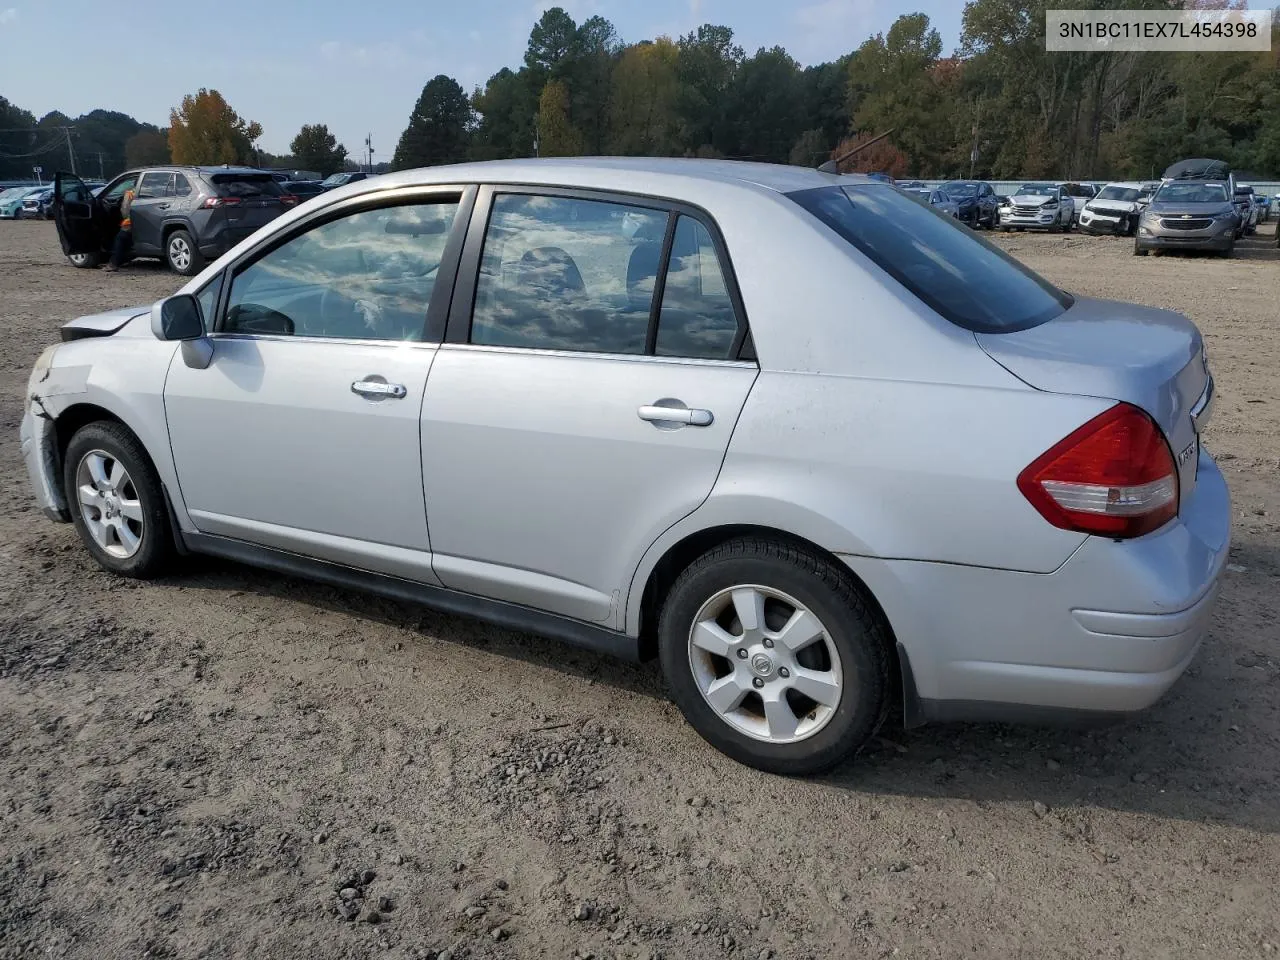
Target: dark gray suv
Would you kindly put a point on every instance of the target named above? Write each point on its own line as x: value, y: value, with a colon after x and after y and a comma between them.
x: 182, y: 215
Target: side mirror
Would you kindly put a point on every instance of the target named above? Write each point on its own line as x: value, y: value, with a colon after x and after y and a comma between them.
x: 178, y: 318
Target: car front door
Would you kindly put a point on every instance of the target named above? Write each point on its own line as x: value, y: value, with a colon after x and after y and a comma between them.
x: 153, y: 198
x: 77, y: 215
x: 584, y: 399
x: 302, y: 432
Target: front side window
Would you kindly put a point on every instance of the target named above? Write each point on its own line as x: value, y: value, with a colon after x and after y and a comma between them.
x: 962, y: 277
x: 367, y: 275
x: 697, y: 318
x: 561, y: 273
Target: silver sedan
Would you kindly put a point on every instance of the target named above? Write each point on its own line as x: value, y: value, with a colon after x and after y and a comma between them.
x: 816, y: 448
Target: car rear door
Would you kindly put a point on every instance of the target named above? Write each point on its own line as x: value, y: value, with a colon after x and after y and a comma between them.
x: 150, y: 205
x: 77, y: 214
x: 584, y: 397
x: 302, y: 432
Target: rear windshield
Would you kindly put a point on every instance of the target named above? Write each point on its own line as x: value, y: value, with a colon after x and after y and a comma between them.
x: 1175, y: 192
x: 246, y: 185
x: 1128, y: 194
x: 961, y: 276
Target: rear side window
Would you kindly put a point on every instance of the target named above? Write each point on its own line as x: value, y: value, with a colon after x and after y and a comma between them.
x: 245, y: 185
x: 155, y: 184
x: 181, y: 186
x: 560, y: 273
x: 962, y: 277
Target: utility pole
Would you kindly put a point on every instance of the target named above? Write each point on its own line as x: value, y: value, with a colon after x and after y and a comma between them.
x: 100, y: 174
x: 70, y: 148
x: 368, y: 150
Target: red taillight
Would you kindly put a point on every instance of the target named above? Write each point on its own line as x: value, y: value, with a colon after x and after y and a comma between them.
x: 1114, y: 477
x: 288, y: 199
x: 211, y: 202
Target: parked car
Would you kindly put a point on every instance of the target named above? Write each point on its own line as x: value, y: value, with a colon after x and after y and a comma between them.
x: 1027, y: 524
x: 184, y: 216
x: 302, y: 189
x: 1264, y: 206
x: 1248, y: 207
x: 1188, y: 215
x: 942, y: 201
x: 11, y: 202
x: 1210, y: 170
x: 1114, y: 209
x: 1081, y: 193
x: 342, y: 179
x: 975, y: 201
x: 1039, y: 206
x: 38, y: 205
x: 287, y: 176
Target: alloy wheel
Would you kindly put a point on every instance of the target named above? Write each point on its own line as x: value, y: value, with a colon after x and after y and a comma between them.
x: 179, y: 253
x: 109, y: 504
x: 765, y: 664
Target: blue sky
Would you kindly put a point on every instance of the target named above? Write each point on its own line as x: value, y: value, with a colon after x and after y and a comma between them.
x: 358, y: 67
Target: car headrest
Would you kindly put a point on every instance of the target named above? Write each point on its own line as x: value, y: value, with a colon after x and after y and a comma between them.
x: 550, y: 271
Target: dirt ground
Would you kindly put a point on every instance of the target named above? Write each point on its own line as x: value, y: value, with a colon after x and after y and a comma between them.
x: 197, y: 767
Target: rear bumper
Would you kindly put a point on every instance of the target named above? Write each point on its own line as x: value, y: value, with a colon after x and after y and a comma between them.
x: 1107, y: 633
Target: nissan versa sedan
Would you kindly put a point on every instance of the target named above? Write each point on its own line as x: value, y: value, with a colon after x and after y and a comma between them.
x: 814, y: 446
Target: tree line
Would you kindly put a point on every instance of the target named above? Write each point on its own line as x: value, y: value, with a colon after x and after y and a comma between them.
x: 998, y: 107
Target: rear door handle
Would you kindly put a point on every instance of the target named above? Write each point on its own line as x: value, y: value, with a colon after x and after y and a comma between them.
x: 379, y: 390
x: 686, y: 416
x: 162, y: 206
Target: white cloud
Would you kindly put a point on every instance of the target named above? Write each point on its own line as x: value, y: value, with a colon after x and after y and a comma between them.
x: 8, y: 15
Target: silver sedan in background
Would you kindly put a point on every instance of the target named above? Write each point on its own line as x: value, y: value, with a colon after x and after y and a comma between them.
x: 813, y: 447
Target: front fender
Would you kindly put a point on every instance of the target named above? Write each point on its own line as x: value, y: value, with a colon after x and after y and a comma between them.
x: 123, y: 376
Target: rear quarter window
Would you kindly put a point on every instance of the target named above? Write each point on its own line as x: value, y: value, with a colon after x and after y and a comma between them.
x: 962, y: 277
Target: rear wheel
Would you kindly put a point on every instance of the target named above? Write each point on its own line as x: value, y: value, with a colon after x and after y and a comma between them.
x: 85, y: 261
x: 774, y: 656
x: 117, y: 502
x: 182, y: 254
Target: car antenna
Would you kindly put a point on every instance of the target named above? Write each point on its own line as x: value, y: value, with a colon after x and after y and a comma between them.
x: 833, y: 166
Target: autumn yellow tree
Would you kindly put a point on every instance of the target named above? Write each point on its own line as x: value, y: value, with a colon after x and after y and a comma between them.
x: 204, y: 129
x: 645, y: 100
x: 557, y: 136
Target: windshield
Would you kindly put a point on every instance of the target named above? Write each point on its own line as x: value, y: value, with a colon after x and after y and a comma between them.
x: 1050, y: 189
x: 959, y: 190
x: 336, y: 179
x: 1191, y: 193
x: 962, y: 277
x: 1128, y: 194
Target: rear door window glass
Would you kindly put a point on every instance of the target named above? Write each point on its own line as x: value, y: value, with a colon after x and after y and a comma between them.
x: 697, y: 318
x: 368, y: 275
x: 959, y: 275
x: 155, y: 184
x: 562, y: 273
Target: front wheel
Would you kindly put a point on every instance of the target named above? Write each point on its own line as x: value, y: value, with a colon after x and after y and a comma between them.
x: 117, y: 502
x: 774, y: 656
x: 1139, y: 250
x: 84, y: 261
x: 182, y: 254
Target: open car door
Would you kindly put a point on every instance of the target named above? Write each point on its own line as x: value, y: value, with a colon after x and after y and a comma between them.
x: 75, y: 210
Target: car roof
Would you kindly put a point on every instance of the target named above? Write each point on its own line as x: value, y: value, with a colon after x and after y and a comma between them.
x: 1131, y: 184
x: 625, y: 174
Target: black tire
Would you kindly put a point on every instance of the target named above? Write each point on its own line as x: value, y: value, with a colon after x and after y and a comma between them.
x: 1226, y: 254
x: 174, y: 245
x: 854, y: 629
x: 155, y: 552
x: 1139, y: 250
x: 85, y: 261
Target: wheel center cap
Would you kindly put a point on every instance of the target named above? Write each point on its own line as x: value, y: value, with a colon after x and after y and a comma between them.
x: 109, y: 507
x: 762, y: 665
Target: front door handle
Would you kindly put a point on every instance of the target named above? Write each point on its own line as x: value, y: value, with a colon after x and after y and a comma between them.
x: 685, y: 416
x: 379, y: 389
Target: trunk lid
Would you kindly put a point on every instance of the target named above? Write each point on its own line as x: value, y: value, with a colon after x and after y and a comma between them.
x: 1153, y: 359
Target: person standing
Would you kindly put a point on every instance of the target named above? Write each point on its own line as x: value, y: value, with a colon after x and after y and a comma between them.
x: 124, y: 238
